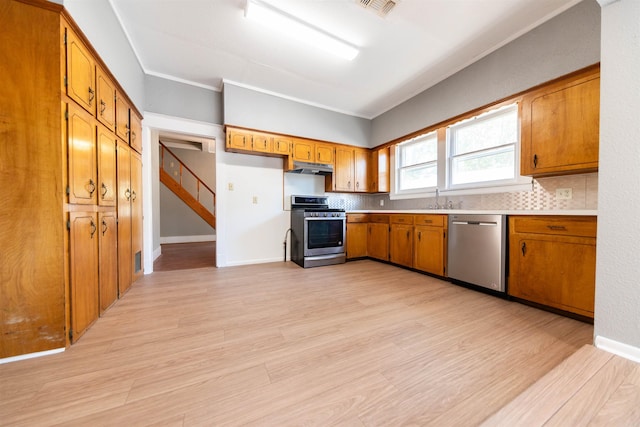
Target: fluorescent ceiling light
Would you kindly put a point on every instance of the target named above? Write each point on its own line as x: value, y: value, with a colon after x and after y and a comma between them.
x: 288, y: 24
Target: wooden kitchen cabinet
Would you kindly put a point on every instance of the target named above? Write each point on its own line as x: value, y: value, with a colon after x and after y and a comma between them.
x: 81, y: 146
x: 106, y: 99
x: 552, y: 261
x: 108, y: 261
x: 83, y: 255
x: 361, y: 169
x: 135, y: 136
x: 324, y: 153
x: 378, y: 237
x: 238, y: 140
x: 379, y: 171
x: 261, y: 143
x: 357, y: 235
x: 125, y: 267
x: 81, y: 71
x: 343, y: 177
x: 303, y: 150
x: 430, y: 244
x: 401, y: 240
x: 106, y: 167
x: 560, y: 126
x: 123, y: 126
x: 136, y: 216
x: 282, y: 145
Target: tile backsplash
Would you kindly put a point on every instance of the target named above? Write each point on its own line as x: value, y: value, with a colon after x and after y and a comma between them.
x: 543, y: 197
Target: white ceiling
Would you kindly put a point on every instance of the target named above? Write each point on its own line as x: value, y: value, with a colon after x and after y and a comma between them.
x: 418, y: 44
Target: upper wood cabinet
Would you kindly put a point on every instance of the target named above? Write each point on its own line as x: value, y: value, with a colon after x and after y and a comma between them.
x: 106, y: 99
x: 379, y: 170
x: 303, y: 150
x: 552, y: 261
x: 282, y: 145
x: 238, y: 139
x: 106, y: 167
x: 135, y: 136
x: 122, y: 117
x: 81, y: 72
x: 343, y: 177
x: 361, y: 169
x: 324, y: 153
x: 262, y: 143
x: 560, y: 126
x: 81, y: 146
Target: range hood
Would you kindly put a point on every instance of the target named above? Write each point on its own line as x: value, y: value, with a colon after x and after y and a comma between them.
x: 311, y: 168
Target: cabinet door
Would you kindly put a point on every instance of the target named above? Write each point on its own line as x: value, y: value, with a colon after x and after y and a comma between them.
x: 136, y: 216
x: 343, y: 171
x: 557, y: 271
x: 378, y: 241
x: 324, y: 153
x: 261, y: 143
x: 81, y: 69
x: 238, y: 140
x: 303, y: 150
x: 122, y: 117
x: 106, y: 99
x: 401, y: 244
x: 82, y: 157
x: 282, y: 145
x: 108, y: 261
x: 356, y: 240
x: 429, y: 249
x: 83, y: 247
x: 379, y: 171
x: 561, y: 129
x: 135, y: 136
x: 125, y: 270
x: 361, y: 170
x: 106, y: 167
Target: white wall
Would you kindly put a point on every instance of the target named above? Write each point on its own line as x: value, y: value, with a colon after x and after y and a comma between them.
x: 617, y: 311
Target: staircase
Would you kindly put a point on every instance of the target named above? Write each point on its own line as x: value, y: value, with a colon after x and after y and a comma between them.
x: 185, y: 184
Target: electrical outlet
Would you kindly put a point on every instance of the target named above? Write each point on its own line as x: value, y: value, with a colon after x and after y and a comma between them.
x: 564, y: 193
x: 231, y: 186
x: 255, y: 200
x: 381, y: 202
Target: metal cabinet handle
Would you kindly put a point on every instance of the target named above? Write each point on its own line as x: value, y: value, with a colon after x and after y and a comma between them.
x: 104, y: 227
x: 133, y: 136
x: 408, y: 234
x: 105, y: 190
x: 92, y: 187
x: 103, y: 107
x: 535, y: 160
x: 419, y: 236
x: 133, y: 196
x: 92, y: 95
x: 557, y: 227
x: 93, y: 228
x: 524, y: 248
x: 127, y: 194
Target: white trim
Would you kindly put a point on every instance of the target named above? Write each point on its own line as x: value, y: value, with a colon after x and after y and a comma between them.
x: 184, y: 81
x: 157, y: 252
x: 604, y: 3
x: 188, y: 239
x: 31, y: 355
x: 254, y: 261
x: 621, y: 349
x: 294, y: 99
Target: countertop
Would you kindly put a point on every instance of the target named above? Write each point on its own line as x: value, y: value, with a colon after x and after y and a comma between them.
x: 582, y: 212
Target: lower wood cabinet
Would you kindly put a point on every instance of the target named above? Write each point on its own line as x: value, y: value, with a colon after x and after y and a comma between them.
x: 430, y: 244
x: 378, y: 237
x: 401, y: 240
x: 357, y: 235
x: 552, y: 261
x: 108, y: 259
x: 83, y: 254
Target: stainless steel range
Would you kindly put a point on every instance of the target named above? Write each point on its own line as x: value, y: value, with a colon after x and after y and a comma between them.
x: 317, y: 232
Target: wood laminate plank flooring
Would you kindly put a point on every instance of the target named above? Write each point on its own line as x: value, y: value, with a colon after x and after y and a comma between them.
x: 185, y: 256
x: 362, y: 344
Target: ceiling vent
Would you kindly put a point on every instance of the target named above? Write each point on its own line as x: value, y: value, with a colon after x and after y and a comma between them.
x: 380, y: 7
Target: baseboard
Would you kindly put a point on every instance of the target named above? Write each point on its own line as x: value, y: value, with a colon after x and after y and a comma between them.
x: 621, y: 349
x: 188, y: 239
x: 31, y: 355
x: 253, y: 261
x: 157, y: 252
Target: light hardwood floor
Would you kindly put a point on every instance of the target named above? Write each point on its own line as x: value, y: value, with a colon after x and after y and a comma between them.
x: 362, y: 343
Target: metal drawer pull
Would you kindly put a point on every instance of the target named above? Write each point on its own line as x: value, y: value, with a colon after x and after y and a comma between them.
x: 557, y: 227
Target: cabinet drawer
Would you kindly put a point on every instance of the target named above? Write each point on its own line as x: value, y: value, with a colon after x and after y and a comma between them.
x: 357, y: 218
x: 567, y: 226
x: 430, y: 220
x: 401, y: 219
x: 384, y: 219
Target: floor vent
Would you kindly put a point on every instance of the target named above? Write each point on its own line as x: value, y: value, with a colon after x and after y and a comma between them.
x: 380, y: 7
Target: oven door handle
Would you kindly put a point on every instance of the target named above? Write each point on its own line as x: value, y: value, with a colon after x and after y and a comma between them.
x: 324, y: 218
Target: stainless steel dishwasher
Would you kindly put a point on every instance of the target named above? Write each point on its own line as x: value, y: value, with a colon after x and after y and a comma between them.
x: 477, y: 250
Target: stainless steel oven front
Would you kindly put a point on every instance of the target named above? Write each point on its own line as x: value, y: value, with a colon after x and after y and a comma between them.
x: 324, y: 233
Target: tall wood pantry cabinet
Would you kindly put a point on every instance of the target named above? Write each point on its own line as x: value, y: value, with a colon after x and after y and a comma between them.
x: 59, y: 173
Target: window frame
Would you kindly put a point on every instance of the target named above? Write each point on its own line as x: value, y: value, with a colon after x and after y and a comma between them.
x: 396, y: 156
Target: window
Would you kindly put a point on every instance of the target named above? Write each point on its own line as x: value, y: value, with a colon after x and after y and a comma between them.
x: 477, y: 155
x: 417, y: 163
x: 483, y: 148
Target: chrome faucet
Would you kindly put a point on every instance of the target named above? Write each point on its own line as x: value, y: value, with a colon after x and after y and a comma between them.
x: 437, y: 195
